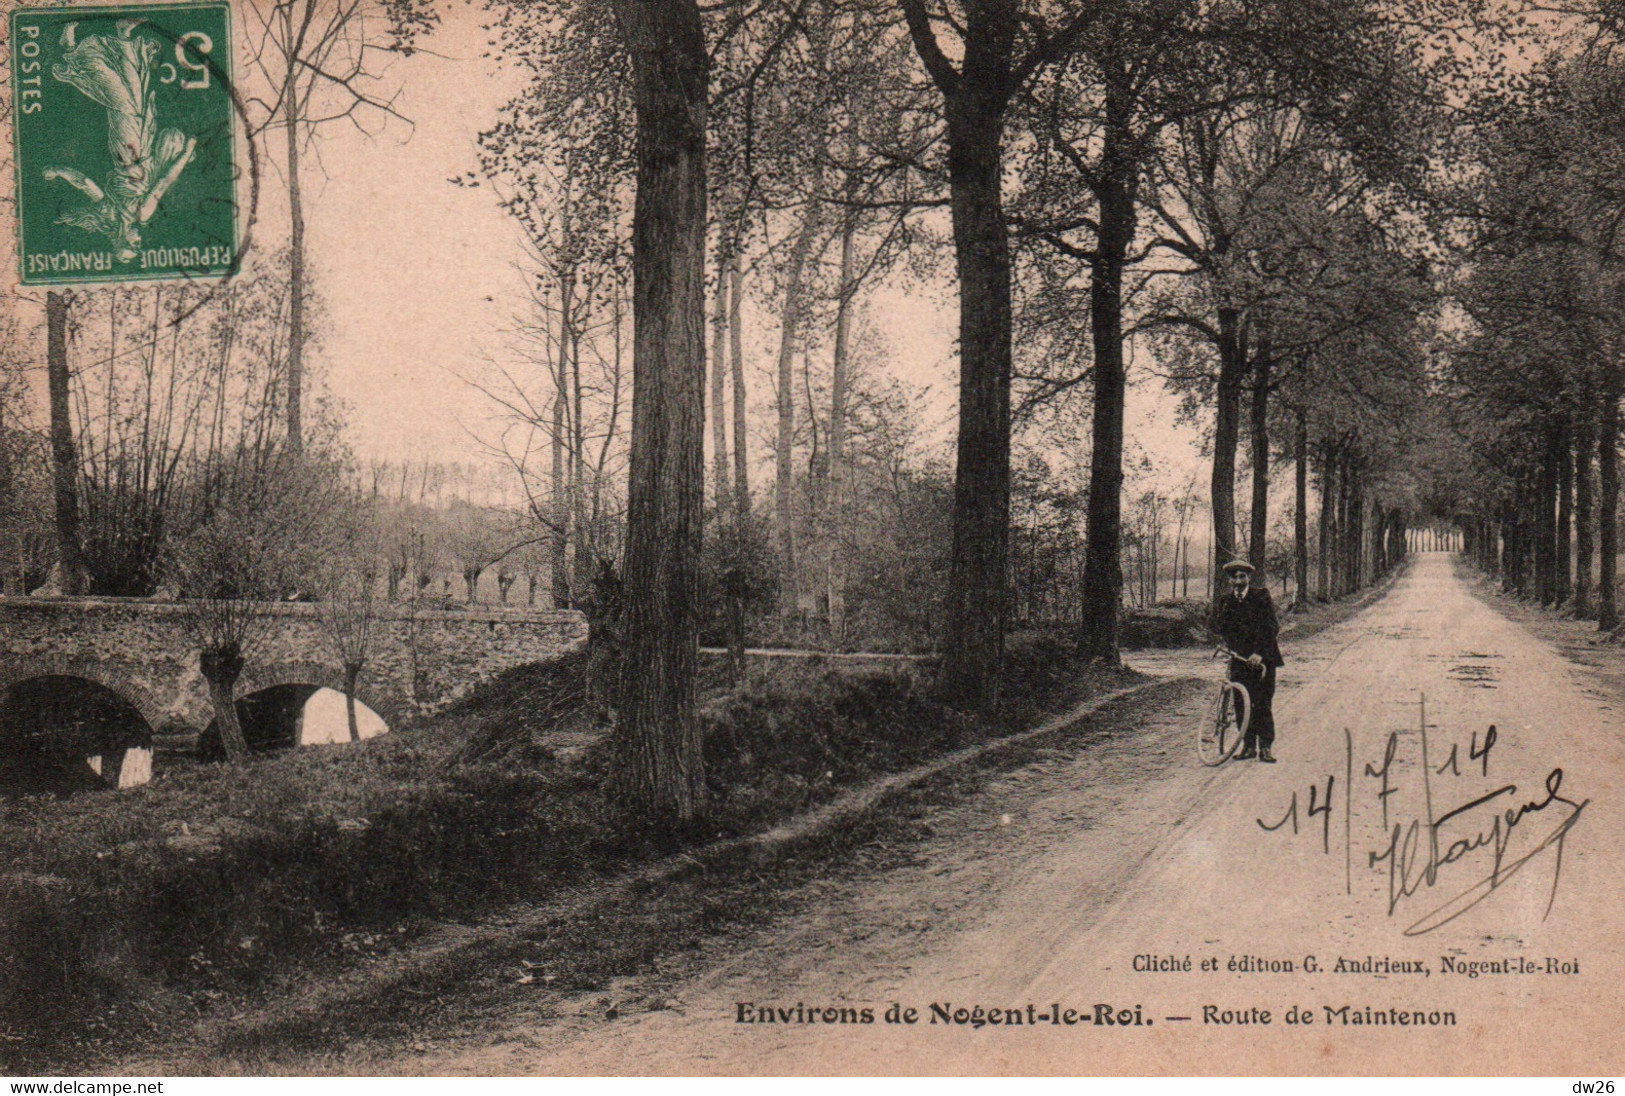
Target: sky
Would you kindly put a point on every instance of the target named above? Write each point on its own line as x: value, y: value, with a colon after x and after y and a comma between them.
x: 419, y: 277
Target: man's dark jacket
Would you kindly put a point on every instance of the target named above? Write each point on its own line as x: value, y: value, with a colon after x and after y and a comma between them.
x: 1247, y: 624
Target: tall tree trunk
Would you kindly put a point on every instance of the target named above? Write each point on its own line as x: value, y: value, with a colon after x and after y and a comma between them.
x: 1584, y: 545
x: 1512, y: 552
x: 736, y: 357
x: 1345, y: 526
x: 1102, y: 570
x: 1259, y: 549
x: 1226, y: 436
x: 70, y: 557
x: 1347, y: 556
x: 581, y: 568
x: 735, y: 585
x: 976, y: 609
x: 1300, y: 514
x: 1533, y: 533
x: 834, y: 499
x: 1328, y: 514
x: 1564, y: 577
x: 1377, y: 556
x: 975, y: 99
x: 973, y: 647
x: 721, y: 490
x: 296, y: 256
x: 560, y: 533
x: 1546, y: 519
x: 658, y: 775
x: 1504, y: 549
x: 1608, y: 496
x: 1356, y: 539
x: 784, y: 523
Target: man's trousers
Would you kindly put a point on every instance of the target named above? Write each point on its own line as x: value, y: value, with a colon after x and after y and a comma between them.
x: 1261, y: 689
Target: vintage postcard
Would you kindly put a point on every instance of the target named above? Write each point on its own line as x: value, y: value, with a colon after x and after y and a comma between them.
x: 952, y: 537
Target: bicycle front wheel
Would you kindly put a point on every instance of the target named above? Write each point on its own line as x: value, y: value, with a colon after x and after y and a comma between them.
x: 1224, y: 725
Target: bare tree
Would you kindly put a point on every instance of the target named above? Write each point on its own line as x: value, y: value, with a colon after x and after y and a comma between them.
x: 64, y: 455
x: 349, y: 603
x: 321, y: 65
x: 792, y: 316
x: 255, y: 533
x: 1185, y: 507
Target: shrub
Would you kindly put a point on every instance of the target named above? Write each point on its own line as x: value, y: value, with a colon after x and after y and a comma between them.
x: 787, y: 739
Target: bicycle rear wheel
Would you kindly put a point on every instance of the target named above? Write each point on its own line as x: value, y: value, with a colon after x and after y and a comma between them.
x: 1224, y: 724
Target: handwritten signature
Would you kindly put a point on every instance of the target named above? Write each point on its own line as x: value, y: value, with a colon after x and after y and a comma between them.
x: 1419, y: 849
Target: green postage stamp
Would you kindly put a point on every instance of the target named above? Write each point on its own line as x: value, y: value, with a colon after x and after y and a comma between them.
x: 125, y: 150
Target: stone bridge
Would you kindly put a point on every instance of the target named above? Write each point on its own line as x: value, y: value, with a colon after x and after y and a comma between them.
x: 419, y: 660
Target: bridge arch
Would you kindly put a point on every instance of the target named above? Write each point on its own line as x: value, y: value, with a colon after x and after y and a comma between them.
x: 15, y: 671
x: 393, y: 708
x: 70, y: 728
x: 271, y: 705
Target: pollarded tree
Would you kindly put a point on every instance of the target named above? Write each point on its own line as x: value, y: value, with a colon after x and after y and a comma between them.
x: 162, y: 379
x: 353, y: 571
x: 475, y: 537
x: 255, y: 530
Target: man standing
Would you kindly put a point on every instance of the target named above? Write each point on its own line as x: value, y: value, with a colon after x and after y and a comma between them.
x: 1245, y: 619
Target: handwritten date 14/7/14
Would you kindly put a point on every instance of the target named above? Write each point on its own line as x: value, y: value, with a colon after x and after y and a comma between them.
x: 1437, y: 839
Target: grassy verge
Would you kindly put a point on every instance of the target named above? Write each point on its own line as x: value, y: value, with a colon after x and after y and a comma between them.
x: 126, y: 918
x: 622, y: 947
x: 1299, y: 622
x: 1576, y: 638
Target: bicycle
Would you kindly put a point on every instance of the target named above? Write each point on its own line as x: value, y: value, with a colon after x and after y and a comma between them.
x: 1224, y: 725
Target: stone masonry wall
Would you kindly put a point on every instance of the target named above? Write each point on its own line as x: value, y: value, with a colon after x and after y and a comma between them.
x: 419, y: 660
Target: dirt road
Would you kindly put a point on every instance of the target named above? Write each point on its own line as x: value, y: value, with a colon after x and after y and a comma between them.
x: 1475, y: 903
